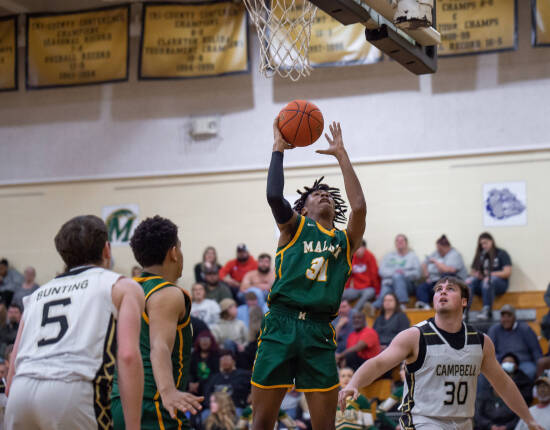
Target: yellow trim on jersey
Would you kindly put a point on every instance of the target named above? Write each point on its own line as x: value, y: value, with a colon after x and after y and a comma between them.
x: 157, y: 407
x: 180, y: 370
x: 292, y: 242
x: 162, y: 284
x: 147, y: 278
x: 324, y: 230
x: 310, y: 390
x: 333, y: 333
x: 269, y: 387
x: 348, y: 251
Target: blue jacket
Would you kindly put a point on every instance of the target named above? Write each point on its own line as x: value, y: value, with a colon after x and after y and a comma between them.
x: 520, y: 340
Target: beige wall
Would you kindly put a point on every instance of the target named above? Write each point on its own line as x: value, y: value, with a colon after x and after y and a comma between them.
x: 421, y: 198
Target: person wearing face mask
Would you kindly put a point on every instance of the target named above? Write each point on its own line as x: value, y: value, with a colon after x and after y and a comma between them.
x: 541, y: 411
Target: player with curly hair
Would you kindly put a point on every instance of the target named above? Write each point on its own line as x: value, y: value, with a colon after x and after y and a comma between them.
x: 166, y: 333
x: 313, y: 263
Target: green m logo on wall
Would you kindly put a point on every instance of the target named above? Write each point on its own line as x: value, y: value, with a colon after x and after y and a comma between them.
x: 121, y: 222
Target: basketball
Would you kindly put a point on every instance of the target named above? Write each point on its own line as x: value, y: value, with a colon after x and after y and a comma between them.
x: 301, y: 123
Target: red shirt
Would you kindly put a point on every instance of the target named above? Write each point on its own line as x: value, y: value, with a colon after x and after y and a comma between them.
x: 370, y: 337
x: 364, y: 272
x: 237, y: 269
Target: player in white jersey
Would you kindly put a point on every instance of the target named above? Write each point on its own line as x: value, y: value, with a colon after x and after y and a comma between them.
x: 444, y: 358
x: 74, y: 330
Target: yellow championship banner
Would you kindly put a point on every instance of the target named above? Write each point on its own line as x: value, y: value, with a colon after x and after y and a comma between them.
x: 193, y: 40
x: 541, y: 22
x: 77, y: 48
x: 8, y: 53
x: 333, y: 44
x: 476, y: 26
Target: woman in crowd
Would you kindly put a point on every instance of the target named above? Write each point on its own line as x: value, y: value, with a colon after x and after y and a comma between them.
x: 222, y: 412
x: 204, y: 362
x: 202, y: 308
x: 209, y: 260
x: 391, y: 320
x: 489, y: 274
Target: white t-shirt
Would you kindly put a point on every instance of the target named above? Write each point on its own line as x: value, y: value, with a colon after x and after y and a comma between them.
x: 69, y: 327
x: 540, y: 415
x: 208, y: 310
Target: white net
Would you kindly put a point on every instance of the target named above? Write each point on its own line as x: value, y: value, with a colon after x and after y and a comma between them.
x: 284, y: 29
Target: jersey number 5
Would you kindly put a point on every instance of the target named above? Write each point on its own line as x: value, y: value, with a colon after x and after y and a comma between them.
x: 318, y: 269
x: 59, y: 319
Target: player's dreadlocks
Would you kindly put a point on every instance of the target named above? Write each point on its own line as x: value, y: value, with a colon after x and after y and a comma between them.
x: 340, y: 207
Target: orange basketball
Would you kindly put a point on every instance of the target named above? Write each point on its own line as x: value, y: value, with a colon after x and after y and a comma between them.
x: 301, y: 123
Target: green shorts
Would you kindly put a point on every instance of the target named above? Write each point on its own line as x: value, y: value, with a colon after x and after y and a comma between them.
x: 153, y: 416
x: 295, y: 349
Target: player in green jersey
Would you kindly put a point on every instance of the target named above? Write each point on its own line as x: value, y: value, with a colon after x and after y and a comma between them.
x: 296, y: 345
x: 166, y: 333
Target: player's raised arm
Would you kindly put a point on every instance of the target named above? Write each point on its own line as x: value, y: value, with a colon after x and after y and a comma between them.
x: 164, y: 310
x: 280, y: 207
x: 504, y: 385
x: 129, y: 300
x: 404, y: 346
x: 354, y: 192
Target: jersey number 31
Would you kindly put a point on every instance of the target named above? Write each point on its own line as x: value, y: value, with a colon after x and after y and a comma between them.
x: 318, y: 269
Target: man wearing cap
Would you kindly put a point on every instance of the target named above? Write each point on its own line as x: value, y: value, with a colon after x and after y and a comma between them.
x: 234, y: 270
x: 541, y: 411
x: 230, y: 332
x: 215, y: 289
x: 511, y: 336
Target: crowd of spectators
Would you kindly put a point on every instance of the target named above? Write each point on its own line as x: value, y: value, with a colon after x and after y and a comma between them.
x: 230, y: 300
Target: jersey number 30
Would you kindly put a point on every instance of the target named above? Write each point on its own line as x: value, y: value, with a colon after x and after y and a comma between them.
x: 318, y: 269
x: 58, y: 319
x: 458, y: 392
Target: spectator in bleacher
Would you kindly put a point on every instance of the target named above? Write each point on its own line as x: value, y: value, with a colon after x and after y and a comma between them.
x: 362, y: 344
x: 444, y: 261
x: 245, y: 358
x: 364, y: 283
x: 198, y: 326
x: 357, y: 414
x: 294, y: 404
x: 234, y: 270
x: 216, y: 289
x: 511, y: 336
x: 400, y: 269
x: 205, y: 309
x: 391, y: 321
x: 28, y: 286
x: 541, y: 411
x: 511, y: 365
x: 204, y: 364
x: 229, y: 331
x: 209, y: 260
x: 223, y: 415
x: 233, y: 381
x: 9, y: 331
x: 491, y: 413
x: 491, y: 268
x: 251, y: 299
x: 261, y: 278
x: 10, y: 280
x: 343, y: 325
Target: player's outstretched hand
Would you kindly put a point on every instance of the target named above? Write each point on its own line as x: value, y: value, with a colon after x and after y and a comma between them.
x: 279, y: 142
x: 344, y: 394
x: 178, y: 400
x: 336, y: 143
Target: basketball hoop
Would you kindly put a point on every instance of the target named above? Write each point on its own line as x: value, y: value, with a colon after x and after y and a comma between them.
x: 284, y: 29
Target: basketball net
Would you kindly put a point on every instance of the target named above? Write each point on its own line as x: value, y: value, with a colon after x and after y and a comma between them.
x: 284, y: 29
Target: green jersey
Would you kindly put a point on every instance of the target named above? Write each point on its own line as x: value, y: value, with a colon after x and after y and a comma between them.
x: 312, y: 269
x: 181, y: 352
x: 356, y: 416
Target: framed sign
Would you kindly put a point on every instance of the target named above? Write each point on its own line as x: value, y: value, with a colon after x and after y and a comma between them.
x: 8, y: 53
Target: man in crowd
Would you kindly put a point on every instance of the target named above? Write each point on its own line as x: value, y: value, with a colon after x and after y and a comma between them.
x: 205, y: 309
x: 343, y: 325
x: 216, y: 289
x: 541, y: 411
x: 234, y: 270
x: 364, y: 283
x: 10, y: 280
x: 362, y: 344
x: 400, y: 269
x: 262, y: 277
x: 9, y: 331
x: 511, y: 336
x: 28, y: 286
